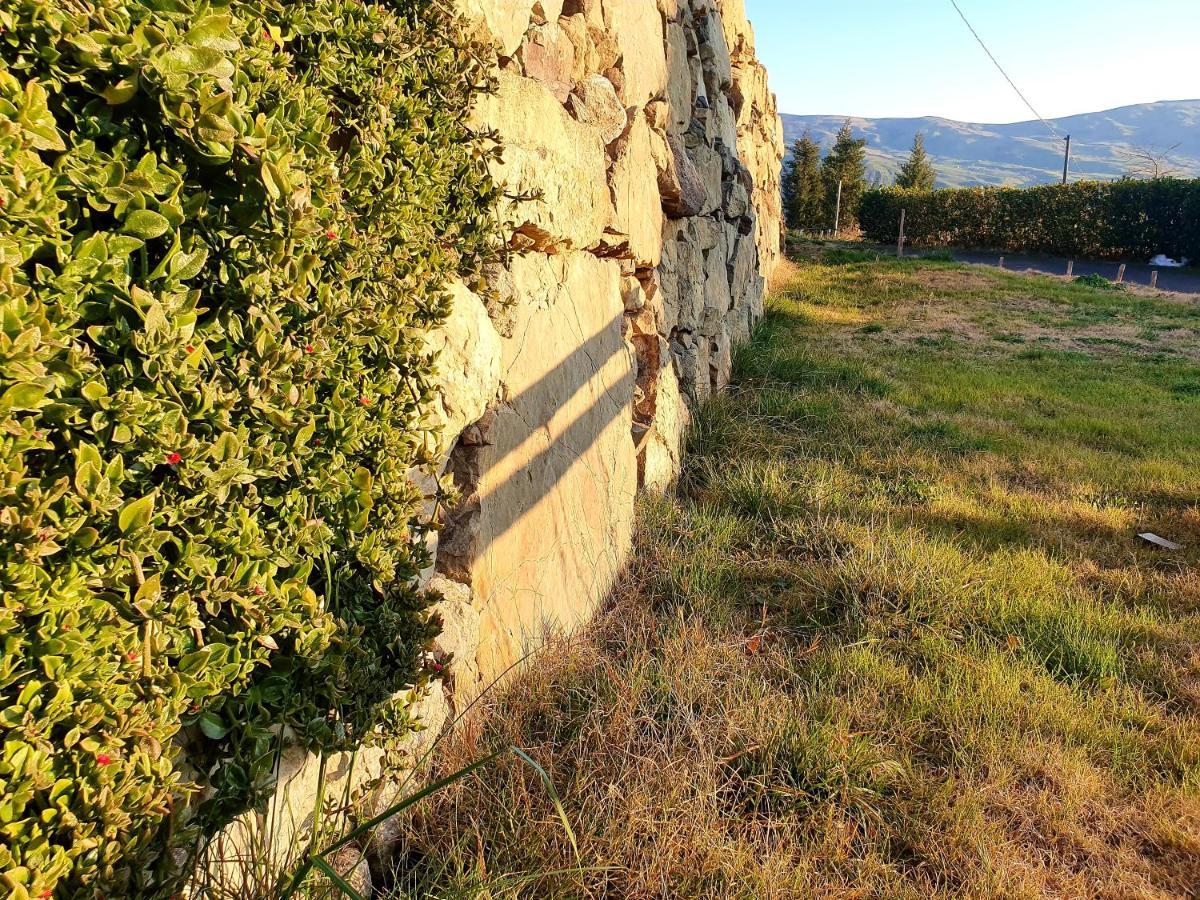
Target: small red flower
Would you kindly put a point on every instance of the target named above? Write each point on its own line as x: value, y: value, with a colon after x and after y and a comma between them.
x: 174, y: 459
x: 331, y: 234
x: 317, y: 441
x: 266, y: 35
x: 190, y: 348
x: 364, y: 401
x: 258, y: 590
x: 308, y: 348
x: 44, y: 895
x: 195, y: 707
x: 103, y: 759
x: 133, y: 657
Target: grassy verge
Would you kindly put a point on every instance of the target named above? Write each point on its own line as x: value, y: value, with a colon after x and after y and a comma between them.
x: 894, y: 635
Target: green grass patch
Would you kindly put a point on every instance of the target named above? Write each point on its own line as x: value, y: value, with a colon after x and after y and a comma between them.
x: 894, y: 634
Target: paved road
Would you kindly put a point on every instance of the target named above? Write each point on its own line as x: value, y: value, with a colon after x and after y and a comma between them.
x: 1182, y: 281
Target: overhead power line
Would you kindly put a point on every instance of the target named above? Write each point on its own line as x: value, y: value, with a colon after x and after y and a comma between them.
x: 1000, y: 68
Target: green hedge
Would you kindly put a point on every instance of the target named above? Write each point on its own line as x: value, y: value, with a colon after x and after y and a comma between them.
x: 1107, y: 220
x: 224, y: 227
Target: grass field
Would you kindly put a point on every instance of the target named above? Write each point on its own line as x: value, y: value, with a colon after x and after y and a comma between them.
x: 894, y: 635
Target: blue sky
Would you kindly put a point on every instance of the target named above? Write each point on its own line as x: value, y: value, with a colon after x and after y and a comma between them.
x: 880, y: 58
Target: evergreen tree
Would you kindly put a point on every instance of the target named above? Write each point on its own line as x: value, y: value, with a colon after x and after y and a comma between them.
x: 803, y: 189
x: 788, y: 182
x: 847, y: 163
x: 917, y: 173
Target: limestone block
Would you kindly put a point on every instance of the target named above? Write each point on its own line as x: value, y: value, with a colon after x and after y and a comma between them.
x: 591, y: 10
x: 658, y: 114
x: 633, y: 294
x: 680, y: 82
x: 739, y: 34
x: 758, y: 296
x: 680, y: 186
x: 707, y: 162
x: 743, y: 265
x: 547, y: 151
x: 503, y: 21
x: 660, y: 150
x: 638, y: 28
x: 722, y: 122
x: 458, y: 642
x: 760, y: 149
x: 594, y: 103
x: 548, y: 56
x: 738, y: 324
x: 467, y: 350
x: 690, y: 352
x: 595, y: 49
x: 714, y: 53
x: 557, y: 482
x: 717, y: 296
x: 637, y: 209
x: 681, y: 277
x: 720, y: 360
x: 663, y: 454
x: 709, y: 233
x: 546, y: 11
x: 737, y: 200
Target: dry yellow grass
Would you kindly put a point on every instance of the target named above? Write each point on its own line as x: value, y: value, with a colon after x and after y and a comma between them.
x: 893, y: 636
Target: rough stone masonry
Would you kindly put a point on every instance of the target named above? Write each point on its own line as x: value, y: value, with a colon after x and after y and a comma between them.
x: 647, y: 132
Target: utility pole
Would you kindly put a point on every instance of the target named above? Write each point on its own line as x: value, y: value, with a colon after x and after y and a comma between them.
x: 837, y: 213
x: 1067, y: 159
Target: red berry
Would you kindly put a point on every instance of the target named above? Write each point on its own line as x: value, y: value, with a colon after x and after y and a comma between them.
x: 308, y: 348
x: 174, y: 459
x: 103, y: 759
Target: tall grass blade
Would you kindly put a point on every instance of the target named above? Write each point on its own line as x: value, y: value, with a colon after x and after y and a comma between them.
x: 553, y: 792
x: 343, y: 885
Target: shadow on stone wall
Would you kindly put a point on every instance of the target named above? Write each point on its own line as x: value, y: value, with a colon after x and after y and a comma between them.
x: 498, y: 442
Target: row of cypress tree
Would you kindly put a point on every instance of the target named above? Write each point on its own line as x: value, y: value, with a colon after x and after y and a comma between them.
x: 810, y: 181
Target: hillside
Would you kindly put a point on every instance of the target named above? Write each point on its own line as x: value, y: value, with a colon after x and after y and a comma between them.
x: 1023, y: 153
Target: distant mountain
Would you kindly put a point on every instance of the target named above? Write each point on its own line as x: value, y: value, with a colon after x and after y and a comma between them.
x: 1024, y: 153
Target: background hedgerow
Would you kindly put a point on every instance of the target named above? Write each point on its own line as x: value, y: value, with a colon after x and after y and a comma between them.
x: 224, y: 228
x: 1119, y: 219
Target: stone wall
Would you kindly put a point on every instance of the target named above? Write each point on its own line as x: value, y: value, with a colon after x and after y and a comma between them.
x: 646, y: 135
